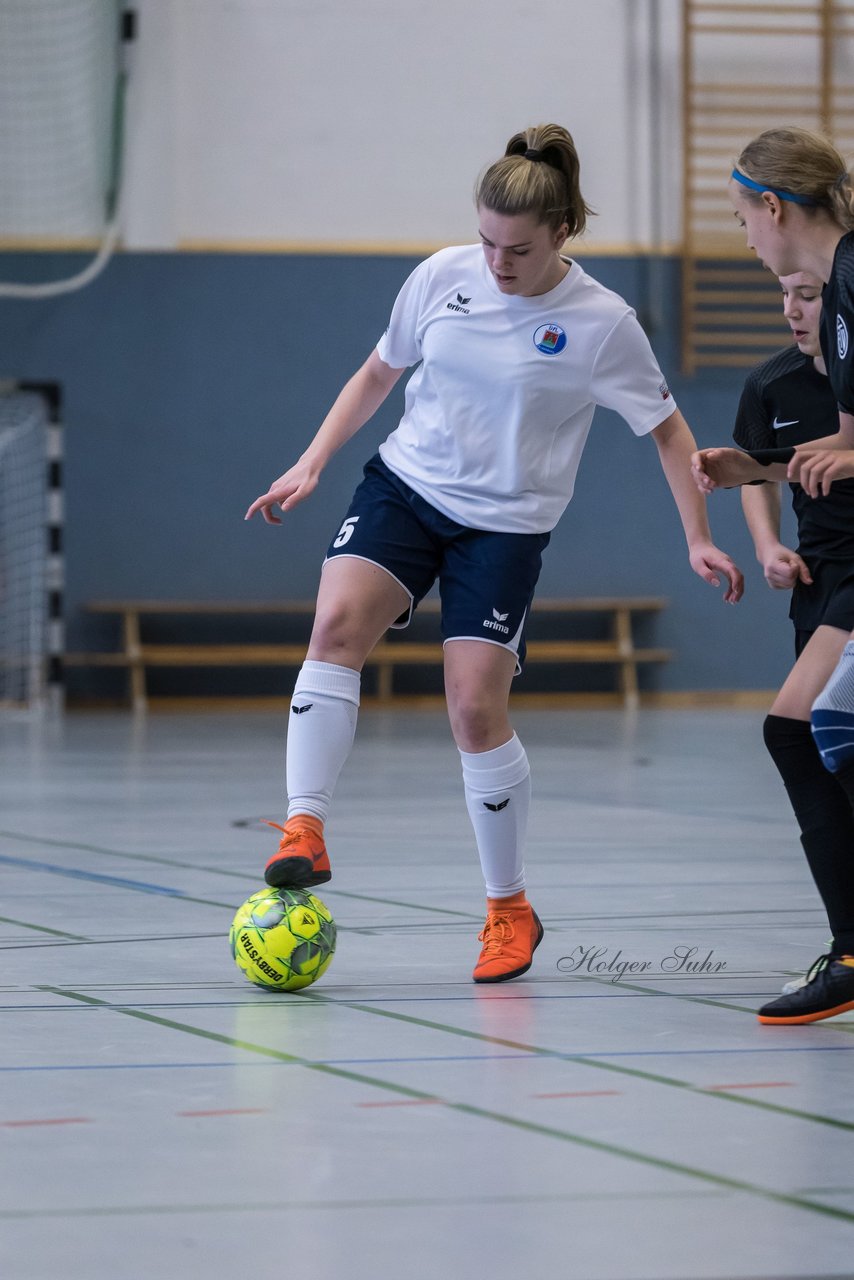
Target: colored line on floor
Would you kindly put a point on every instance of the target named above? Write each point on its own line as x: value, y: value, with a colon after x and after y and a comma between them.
x: 386, y: 1061
x: 117, y: 882
x: 69, y: 940
x: 406, y: 1102
x: 481, y: 1113
x: 228, y: 1111
x: 582, y: 1093
x: 40, y: 928
x: 633, y: 1072
x: 29, y: 1124
x: 196, y: 869
x: 754, y: 1084
x: 381, y: 1202
x: 832, y: 1025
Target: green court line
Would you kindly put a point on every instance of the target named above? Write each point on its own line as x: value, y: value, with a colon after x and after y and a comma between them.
x: 616, y: 1068
x: 840, y: 1028
x: 40, y: 928
x: 383, y: 1202
x: 480, y: 1113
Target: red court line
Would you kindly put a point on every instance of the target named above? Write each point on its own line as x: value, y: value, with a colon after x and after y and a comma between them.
x: 413, y: 1102
x: 755, y: 1084
x: 582, y: 1093
x: 26, y: 1124
x: 228, y: 1111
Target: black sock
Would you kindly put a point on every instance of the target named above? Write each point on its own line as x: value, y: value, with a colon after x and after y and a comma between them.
x: 825, y: 816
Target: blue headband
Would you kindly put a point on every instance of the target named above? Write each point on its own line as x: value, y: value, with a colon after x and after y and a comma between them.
x: 781, y: 195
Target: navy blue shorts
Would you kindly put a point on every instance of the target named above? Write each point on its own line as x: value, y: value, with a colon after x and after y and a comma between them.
x: 486, y: 579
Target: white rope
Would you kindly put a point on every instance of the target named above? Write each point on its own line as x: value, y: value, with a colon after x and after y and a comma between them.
x: 53, y: 288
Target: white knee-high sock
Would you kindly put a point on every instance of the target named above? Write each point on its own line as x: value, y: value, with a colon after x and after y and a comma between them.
x: 498, y: 796
x: 321, y: 729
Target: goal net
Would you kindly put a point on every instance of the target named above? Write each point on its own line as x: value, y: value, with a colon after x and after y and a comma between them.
x: 24, y: 619
x: 62, y: 82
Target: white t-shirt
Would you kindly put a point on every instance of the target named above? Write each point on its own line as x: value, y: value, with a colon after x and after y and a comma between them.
x: 497, y: 414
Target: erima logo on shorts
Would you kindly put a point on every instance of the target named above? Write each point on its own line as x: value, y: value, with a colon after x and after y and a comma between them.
x: 550, y: 339
x: 841, y: 337
x: 497, y: 622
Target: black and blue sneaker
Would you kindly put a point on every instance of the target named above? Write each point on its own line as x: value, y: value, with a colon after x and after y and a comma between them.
x: 829, y: 990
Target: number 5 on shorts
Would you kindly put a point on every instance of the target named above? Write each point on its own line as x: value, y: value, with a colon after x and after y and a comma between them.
x: 346, y: 531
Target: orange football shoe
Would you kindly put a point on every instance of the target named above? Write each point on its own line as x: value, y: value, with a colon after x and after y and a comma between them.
x: 301, y: 859
x: 510, y: 937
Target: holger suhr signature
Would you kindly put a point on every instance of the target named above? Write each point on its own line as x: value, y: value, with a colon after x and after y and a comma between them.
x: 601, y: 961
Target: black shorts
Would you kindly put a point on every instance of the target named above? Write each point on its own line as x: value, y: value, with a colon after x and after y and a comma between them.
x: 828, y: 601
x: 486, y: 579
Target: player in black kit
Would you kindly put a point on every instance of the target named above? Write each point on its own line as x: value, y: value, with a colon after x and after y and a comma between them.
x: 788, y: 401
x: 793, y: 194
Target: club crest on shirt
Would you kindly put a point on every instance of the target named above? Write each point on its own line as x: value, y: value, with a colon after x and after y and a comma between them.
x: 550, y: 339
x: 841, y: 337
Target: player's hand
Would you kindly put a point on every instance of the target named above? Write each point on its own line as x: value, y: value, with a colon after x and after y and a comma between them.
x: 713, y: 564
x: 783, y: 568
x: 816, y: 470
x: 723, y: 469
x: 290, y: 489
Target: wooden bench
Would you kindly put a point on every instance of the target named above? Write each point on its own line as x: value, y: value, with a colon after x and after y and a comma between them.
x: 396, y: 649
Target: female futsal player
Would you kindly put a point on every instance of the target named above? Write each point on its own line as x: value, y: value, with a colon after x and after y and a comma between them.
x: 515, y: 346
x: 792, y: 193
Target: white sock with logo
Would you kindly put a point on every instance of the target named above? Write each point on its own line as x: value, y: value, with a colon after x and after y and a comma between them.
x: 321, y: 729
x: 498, y: 796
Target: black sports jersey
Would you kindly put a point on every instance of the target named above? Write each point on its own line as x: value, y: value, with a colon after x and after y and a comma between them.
x: 786, y: 401
x: 837, y: 323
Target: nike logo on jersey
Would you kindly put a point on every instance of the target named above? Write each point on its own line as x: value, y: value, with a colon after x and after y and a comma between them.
x: 777, y: 424
x: 496, y: 808
x: 306, y: 706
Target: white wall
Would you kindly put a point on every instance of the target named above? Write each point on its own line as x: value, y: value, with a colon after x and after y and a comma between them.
x: 365, y: 122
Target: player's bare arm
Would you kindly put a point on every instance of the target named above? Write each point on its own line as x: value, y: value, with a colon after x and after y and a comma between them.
x: 816, y: 469
x: 727, y: 468
x: 781, y: 566
x: 676, y: 445
x: 357, y: 403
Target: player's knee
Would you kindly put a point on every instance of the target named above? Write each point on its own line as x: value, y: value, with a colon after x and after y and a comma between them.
x: 336, y: 637
x: 476, y: 723
x: 790, y: 745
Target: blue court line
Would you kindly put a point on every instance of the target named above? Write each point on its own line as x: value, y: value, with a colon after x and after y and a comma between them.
x: 75, y: 874
x: 382, y: 1001
x: 441, y: 1057
x: 117, y: 882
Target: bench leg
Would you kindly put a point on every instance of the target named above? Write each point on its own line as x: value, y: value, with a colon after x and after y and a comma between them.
x: 136, y: 669
x: 384, y: 685
x: 628, y: 670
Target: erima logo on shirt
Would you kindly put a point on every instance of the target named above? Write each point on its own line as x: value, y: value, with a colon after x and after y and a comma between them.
x: 497, y: 622
x: 776, y: 424
x: 460, y: 305
x: 550, y: 339
x: 841, y: 337
x: 306, y: 706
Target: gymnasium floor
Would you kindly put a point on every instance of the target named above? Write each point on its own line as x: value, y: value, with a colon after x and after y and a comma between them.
x: 162, y: 1118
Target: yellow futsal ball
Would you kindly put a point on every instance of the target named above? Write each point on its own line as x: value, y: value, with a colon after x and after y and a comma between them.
x: 283, y: 939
